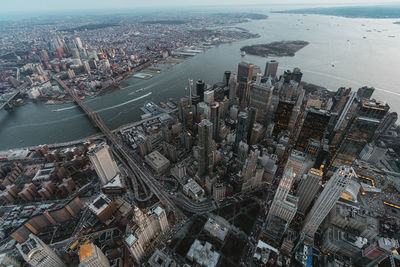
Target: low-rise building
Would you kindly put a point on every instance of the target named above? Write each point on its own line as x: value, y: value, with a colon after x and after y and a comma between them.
x: 193, y: 189
x: 217, y: 227
x: 202, y: 254
x: 102, y: 207
x: 157, y: 162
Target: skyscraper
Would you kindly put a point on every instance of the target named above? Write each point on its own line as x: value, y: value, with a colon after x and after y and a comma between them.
x: 365, y: 92
x: 360, y: 131
x: 283, y: 207
x: 333, y: 189
x: 250, y: 167
x: 91, y: 256
x: 245, y: 70
x: 226, y: 79
x: 299, y: 163
x: 243, y: 91
x: 314, y: 127
x: 200, y: 85
x: 205, y: 148
x: 282, y: 116
x: 241, y: 129
x: 232, y: 87
x: 148, y: 225
x: 251, y: 120
x: 215, y: 120
x: 271, y: 68
x: 38, y: 254
x: 105, y: 166
x: 297, y: 75
x: 308, y: 188
x: 260, y: 98
x: 389, y: 120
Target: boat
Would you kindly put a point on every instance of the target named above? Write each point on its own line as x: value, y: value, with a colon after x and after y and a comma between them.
x: 243, y: 53
x: 137, y: 91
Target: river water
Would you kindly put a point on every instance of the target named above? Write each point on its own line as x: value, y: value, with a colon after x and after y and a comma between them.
x: 358, y: 61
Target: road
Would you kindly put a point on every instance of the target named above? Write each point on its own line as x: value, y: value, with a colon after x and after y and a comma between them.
x: 123, y: 150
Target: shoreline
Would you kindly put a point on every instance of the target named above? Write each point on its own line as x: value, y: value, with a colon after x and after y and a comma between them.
x: 84, y: 139
x: 121, y: 84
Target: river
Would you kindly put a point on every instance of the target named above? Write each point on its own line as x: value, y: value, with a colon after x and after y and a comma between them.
x: 358, y: 61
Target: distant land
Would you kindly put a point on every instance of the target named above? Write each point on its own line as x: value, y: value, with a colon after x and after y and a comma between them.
x: 242, y: 15
x: 167, y: 22
x: 87, y: 27
x: 279, y: 49
x: 373, y: 12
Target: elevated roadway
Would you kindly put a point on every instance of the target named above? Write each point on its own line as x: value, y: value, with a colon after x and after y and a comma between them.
x: 124, y: 152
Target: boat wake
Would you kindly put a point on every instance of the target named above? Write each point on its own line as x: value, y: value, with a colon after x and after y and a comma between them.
x: 62, y: 109
x: 124, y: 103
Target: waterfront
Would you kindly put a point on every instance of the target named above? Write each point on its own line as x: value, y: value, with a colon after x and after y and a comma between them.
x: 334, y: 41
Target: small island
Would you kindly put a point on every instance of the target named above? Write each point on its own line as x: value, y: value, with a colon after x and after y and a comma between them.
x: 372, y: 12
x: 278, y: 49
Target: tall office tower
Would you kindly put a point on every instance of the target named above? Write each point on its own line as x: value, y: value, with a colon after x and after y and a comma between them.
x: 340, y: 99
x: 86, y: 66
x: 232, y: 87
x: 241, y: 129
x: 260, y: 98
x: 387, y: 123
x: 184, y: 105
x: 284, y: 206
x: 144, y: 145
x: 205, y: 148
x: 287, y: 76
x: 251, y: 120
x: 78, y: 42
x: 219, y: 93
x: 347, y: 110
x: 227, y: 76
x: 346, y: 115
x: 200, y: 85
x: 282, y: 116
x: 271, y: 68
x: 44, y: 55
x: 308, y: 188
x: 365, y: 92
x: 75, y: 53
x: 105, y: 166
x: 258, y: 78
x: 314, y: 127
x: 360, y: 131
x: 148, y: 225
x: 38, y: 254
x: 284, y: 185
x: 91, y: 256
x: 242, y: 153
x: 297, y: 75
x: 250, y: 166
x: 214, y: 117
x: 243, y: 91
x: 299, y: 163
x: 209, y: 96
x: 245, y: 70
x: 333, y: 189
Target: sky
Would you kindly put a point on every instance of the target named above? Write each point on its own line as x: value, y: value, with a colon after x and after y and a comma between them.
x: 29, y: 6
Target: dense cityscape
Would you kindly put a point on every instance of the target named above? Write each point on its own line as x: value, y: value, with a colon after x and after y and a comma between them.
x: 259, y: 169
